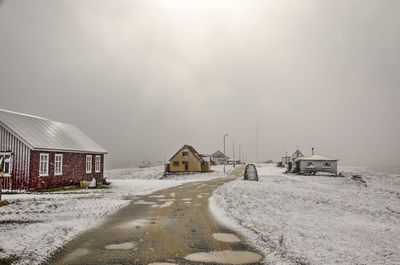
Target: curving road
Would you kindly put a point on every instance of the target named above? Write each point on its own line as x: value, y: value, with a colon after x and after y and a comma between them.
x: 171, y: 226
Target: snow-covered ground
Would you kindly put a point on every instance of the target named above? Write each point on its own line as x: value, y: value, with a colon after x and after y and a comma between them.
x: 315, y: 219
x: 35, y: 224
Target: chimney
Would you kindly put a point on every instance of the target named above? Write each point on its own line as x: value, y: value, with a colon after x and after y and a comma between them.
x: 312, y: 150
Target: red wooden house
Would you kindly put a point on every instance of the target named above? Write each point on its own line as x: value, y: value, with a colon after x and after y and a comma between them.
x: 40, y: 153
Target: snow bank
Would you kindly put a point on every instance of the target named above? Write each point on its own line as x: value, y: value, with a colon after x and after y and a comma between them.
x: 315, y: 219
x: 36, y: 224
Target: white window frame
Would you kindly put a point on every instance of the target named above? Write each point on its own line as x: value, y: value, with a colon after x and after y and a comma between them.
x: 311, y: 164
x: 185, y: 151
x: 46, y: 155
x: 4, y: 154
x: 58, y: 173
x: 97, y: 164
x: 326, y: 162
x: 89, y: 159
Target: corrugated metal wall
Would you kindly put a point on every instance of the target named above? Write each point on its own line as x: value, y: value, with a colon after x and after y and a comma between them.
x: 19, y: 179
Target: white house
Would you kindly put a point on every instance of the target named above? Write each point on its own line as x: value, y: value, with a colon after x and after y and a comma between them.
x: 315, y: 163
x: 288, y: 161
x: 219, y: 158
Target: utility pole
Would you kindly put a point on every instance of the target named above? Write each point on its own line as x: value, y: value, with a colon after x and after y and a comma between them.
x: 240, y: 152
x: 233, y: 153
x: 233, y: 150
x: 257, y: 144
x: 224, y: 151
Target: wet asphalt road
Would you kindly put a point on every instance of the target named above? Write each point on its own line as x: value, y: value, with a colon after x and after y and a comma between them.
x: 165, y: 226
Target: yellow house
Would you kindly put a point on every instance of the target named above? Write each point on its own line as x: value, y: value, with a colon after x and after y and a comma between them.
x: 187, y: 159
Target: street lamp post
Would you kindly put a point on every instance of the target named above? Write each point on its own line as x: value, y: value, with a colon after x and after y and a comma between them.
x: 224, y: 151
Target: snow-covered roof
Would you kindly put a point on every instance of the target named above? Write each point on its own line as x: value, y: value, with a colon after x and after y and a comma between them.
x: 219, y: 154
x: 44, y: 134
x: 206, y: 158
x: 317, y: 158
x: 194, y: 152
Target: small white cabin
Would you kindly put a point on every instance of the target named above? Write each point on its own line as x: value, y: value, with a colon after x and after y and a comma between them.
x: 315, y: 163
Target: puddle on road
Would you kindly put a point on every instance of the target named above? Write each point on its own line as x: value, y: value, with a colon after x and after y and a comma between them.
x: 166, y: 204
x: 225, y: 257
x: 224, y: 237
x: 143, y: 202
x: 187, y: 199
x: 77, y: 253
x: 136, y: 223
x: 123, y: 246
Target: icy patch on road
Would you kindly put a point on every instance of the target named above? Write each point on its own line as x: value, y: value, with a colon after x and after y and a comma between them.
x: 225, y: 257
x: 122, y: 246
x: 167, y: 204
x: 143, y: 202
x: 224, y: 237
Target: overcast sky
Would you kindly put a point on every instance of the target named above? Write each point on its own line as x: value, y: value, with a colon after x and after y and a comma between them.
x: 142, y: 78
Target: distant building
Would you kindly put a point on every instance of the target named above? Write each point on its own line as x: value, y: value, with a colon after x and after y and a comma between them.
x: 187, y: 159
x: 287, y: 161
x: 219, y: 158
x: 315, y: 163
x: 40, y: 153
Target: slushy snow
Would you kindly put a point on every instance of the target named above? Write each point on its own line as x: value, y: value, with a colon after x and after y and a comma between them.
x: 34, y: 225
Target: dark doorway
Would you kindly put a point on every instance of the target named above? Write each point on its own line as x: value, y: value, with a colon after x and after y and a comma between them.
x: 186, y: 165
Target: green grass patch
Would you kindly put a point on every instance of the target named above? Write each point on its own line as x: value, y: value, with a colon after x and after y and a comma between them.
x: 9, y: 260
x: 71, y: 188
x: 67, y: 188
x: 102, y: 186
x: 4, y: 203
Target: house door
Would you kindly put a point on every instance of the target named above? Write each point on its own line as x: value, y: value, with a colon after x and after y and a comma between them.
x: 186, y: 165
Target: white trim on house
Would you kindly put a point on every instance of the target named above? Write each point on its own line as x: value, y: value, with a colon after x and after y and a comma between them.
x: 7, y: 161
x: 44, y: 171
x: 97, y: 164
x: 89, y: 163
x: 58, y: 164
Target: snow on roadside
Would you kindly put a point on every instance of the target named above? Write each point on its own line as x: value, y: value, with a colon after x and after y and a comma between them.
x: 315, y: 219
x: 36, y: 224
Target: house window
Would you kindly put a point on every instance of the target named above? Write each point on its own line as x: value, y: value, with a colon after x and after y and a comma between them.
x: 44, y: 165
x: 58, y: 163
x: 7, y: 163
x: 88, y: 164
x: 97, y: 163
x: 185, y: 153
x: 176, y: 163
x: 310, y: 164
x: 327, y: 164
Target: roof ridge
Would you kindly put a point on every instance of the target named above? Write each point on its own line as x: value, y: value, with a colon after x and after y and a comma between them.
x: 24, y: 114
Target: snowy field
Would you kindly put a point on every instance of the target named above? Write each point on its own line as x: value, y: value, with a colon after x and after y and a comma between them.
x: 36, y: 224
x: 315, y: 219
